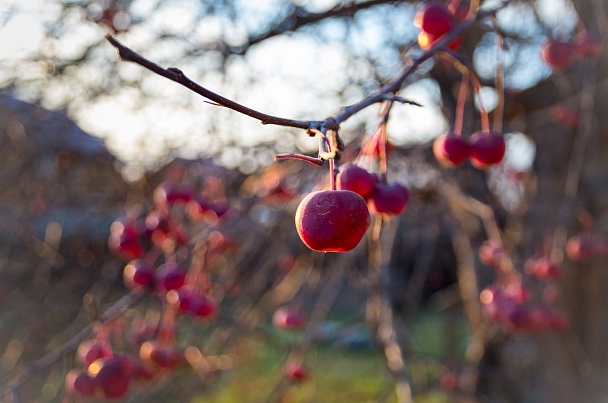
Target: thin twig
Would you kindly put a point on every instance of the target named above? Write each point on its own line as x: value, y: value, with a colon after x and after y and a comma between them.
x: 388, y: 90
x: 115, y: 310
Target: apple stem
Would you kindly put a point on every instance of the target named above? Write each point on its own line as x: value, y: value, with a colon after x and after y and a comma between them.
x: 462, y: 96
x: 485, y: 120
x: 500, y: 82
x: 332, y: 175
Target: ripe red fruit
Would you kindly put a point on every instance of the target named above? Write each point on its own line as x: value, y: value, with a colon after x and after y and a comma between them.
x: 285, y: 318
x: 451, y: 149
x: 558, y: 54
x: 138, y: 275
x: 585, y: 247
x: 587, y: 45
x: 124, y: 240
x: 79, y: 382
x: 92, y: 350
x: 388, y: 199
x: 169, y: 193
x: 162, y: 355
x: 490, y: 253
x: 355, y: 179
x: 296, y: 371
x: 112, y: 375
x: 487, y: 148
x: 434, y: 18
x: 543, y: 269
x: 332, y: 220
x: 170, y: 277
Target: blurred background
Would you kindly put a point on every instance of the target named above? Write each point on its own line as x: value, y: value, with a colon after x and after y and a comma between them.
x: 87, y: 140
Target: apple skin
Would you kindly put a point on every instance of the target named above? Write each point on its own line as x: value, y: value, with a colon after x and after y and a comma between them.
x: 332, y: 220
x: 451, y: 150
x: 487, y: 148
x: 355, y: 179
x: 388, y: 199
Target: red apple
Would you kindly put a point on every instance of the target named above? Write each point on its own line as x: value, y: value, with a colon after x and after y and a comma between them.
x: 295, y: 371
x: 451, y: 150
x: 169, y: 277
x: 162, y: 355
x: 356, y: 179
x: 167, y: 194
x: 490, y: 253
x: 289, y: 319
x: 558, y: 54
x: 487, y: 148
x: 388, y: 199
x: 112, y: 375
x: 434, y: 18
x: 332, y: 220
x: 138, y: 275
x: 584, y: 247
x: 79, y: 382
x: 92, y: 350
x: 587, y: 45
x: 543, y: 268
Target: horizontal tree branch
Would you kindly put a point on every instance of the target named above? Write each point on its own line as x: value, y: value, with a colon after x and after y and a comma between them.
x: 387, y: 91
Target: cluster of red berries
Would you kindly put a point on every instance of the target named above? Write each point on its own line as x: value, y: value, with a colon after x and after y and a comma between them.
x: 435, y: 19
x: 560, y: 54
x: 285, y: 318
x: 483, y: 149
x: 131, y: 240
x: 510, y: 303
x: 107, y: 374
x: 336, y: 220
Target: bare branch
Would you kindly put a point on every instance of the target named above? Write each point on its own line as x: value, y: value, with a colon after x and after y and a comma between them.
x: 71, y: 345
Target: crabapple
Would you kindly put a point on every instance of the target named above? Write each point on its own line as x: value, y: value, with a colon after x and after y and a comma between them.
x: 558, y: 54
x: 355, y: 179
x: 587, y: 46
x: 388, y: 199
x: 296, y: 371
x: 112, y: 375
x: 92, y: 350
x: 170, y: 277
x: 451, y: 149
x: 285, y: 318
x: 79, y: 382
x: 332, y: 220
x: 434, y: 18
x: 487, y: 148
x: 138, y: 275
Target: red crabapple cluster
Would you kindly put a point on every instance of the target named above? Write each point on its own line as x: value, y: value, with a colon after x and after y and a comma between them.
x: 436, y: 19
x: 154, y: 246
x: 510, y: 302
x: 483, y: 149
x: 336, y: 220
